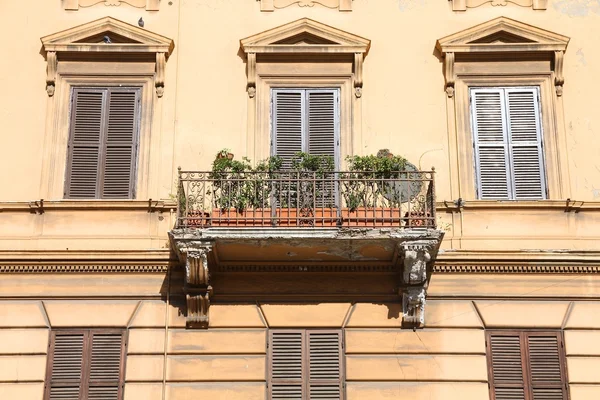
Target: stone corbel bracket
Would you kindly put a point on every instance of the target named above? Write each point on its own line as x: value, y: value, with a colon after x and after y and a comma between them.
x: 196, y: 285
x: 417, y: 264
x: 449, y: 74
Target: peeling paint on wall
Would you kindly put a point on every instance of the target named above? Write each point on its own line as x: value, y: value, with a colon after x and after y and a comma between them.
x: 581, y: 57
x: 406, y: 5
x: 577, y: 8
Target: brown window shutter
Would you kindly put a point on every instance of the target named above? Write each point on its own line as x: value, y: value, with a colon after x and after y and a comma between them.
x: 526, y: 365
x: 546, y: 365
x: 106, y: 360
x: 103, y: 143
x: 324, y: 365
x: 65, y: 366
x: 287, y: 364
x: 87, y: 125
x: 118, y: 169
x: 86, y: 365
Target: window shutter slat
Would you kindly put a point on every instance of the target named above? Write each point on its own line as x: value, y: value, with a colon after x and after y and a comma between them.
x: 490, y: 143
x: 322, y: 122
x: 545, y: 366
x: 85, y: 140
x: 121, y: 140
x: 67, y: 364
x: 286, y: 353
x: 288, y: 115
x: 507, y: 367
x: 526, y: 143
x: 105, y: 365
x: 324, y: 353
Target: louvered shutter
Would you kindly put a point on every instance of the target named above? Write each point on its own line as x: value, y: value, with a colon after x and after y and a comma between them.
x: 65, y: 366
x: 505, y: 357
x: 546, y: 366
x: 508, y: 143
x: 286, y: 352
x: 288, y: 112
x: 121, y: 144
x: 105, y: 373
x: 323, y: 125
x: 525, y: 141
x: 87, y: 124
x: 103, y: 143
x: 526, y: 365
x: 490, y: 142
x: 324, y: 365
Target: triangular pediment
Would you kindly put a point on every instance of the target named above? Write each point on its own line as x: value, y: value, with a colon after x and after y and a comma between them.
x: 503, y: 34
x: 92, y: 36
x: 305, y: 35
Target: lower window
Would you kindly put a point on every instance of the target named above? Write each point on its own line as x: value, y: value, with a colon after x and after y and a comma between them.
x: 526, y: 365
x: 86, y: 364
x: 305, y: 364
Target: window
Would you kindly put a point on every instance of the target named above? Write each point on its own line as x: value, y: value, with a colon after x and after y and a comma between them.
x: 305, y: 364
x: 86, y: 364
x: 305, y: 120
x: 526, y: 365
x: 507, y: 141
x: 103, y: 141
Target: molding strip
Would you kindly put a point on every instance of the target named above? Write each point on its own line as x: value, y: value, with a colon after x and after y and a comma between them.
x: 517, y: 269
x: 83, y: 268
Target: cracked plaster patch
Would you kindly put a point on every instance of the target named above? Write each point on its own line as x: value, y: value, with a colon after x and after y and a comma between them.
x: 577, y: 8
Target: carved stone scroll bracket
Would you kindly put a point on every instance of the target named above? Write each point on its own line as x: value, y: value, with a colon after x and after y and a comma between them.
x: 159, y: 79
x: 358, y: 73
x: 251, y: 87
x: 559, y: 79
x: 51, y: 69
x: 449, y: 73
x: 196, y: 285
x: 417, y: 259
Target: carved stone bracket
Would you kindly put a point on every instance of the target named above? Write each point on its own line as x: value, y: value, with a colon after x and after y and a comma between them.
x: 417, y: 265
x: 559, y: 79
x: 51, y: 69
x: 251, y: 87
x: 449, y: 74
x: 149, y: 5
x: 196, y: 285
x: 271, y: 5
x: 159, y: 79
x: 358, y: 75
x: 462, y: 5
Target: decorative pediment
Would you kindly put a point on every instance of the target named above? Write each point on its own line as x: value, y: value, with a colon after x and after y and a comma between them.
x: 123, y: 37
x: 305, y: 36
x: 106, y: 35
x: 507, y: 36
x: 462, y: 5
x: 503, y: 34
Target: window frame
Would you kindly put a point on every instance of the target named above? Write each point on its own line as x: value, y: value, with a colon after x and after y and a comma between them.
x: 102, y: 147
x: 306, y: 358
x: 552, y: 140
x: 508, y: 145
x: 86, y: 358
x: 523, y: 334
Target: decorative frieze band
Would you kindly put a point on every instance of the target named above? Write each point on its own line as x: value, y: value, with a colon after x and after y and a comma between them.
x: 517, y: 269
x: 149, y: 5
x: 83, y: 268
x: 462, y: 5
x: 271, y: 5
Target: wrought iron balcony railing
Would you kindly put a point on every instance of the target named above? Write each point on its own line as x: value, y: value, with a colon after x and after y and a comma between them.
x: 393, y: 199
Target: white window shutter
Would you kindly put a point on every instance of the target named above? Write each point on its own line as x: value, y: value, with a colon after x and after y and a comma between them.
x: 288, y: 110
x: 323, y: 122
x: 490, y: 143
x: 525, y: 139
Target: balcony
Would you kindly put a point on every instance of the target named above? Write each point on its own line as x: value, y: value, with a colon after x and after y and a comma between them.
x: 280, y: 222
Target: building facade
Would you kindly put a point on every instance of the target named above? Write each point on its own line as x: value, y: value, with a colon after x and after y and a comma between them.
x: 284, y: 199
